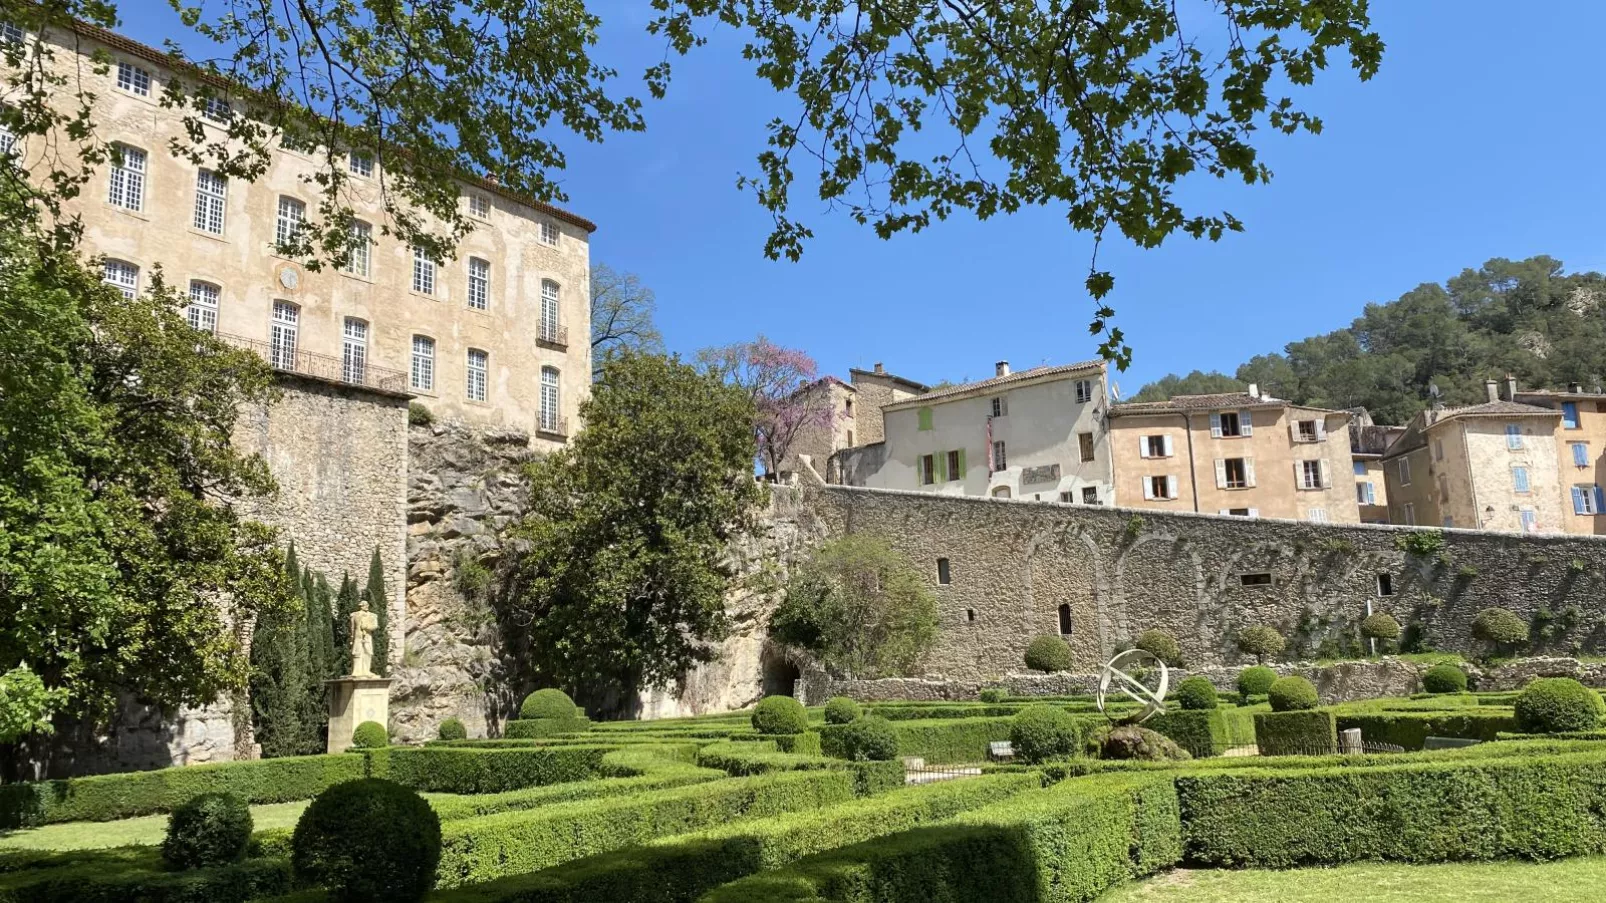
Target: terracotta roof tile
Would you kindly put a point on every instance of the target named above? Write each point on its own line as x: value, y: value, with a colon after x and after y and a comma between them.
x: 986, y: 384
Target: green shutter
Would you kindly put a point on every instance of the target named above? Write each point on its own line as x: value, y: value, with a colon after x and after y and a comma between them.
x: 942, y: 466
x: 925, y: 418
x: 962, y: 468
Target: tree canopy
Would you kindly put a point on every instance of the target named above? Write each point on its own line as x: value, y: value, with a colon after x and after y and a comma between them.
x: 621, y: 316
x: 1528, y: 318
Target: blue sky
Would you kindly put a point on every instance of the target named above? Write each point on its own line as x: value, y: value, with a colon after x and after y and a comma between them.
x: 1480, y: 137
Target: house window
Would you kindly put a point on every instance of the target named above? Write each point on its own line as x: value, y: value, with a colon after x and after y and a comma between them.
x: 1530, y: 520
x: 361, y: 165
x: 423, y: 272
x: 1085, y: 441
x: 359, y: 248
x: 1090, y: 495
x: 1084, y: 391
x: 282, y: 335
x: 292, y: 216
x: 923, y: 416
x: 123, y: 275
x: 423, y: 372
x: 354, y: 351
x: 1580, y: 454
x: 999, y: 461
x: 1588, y: 499
x: 999, y: 408
x: 11, y: 34
x: 1410, y: 514
x: 549, y: 311
x: 479, y: 283
x: 1227, y: 424
x: 1240, y: 512
x: 1444, y: 488
x: 1513, y: 436
x: 217, y: 110
x: 943, y: 576
x: 956, y: 470
x: 1360, y: 468
x: 1438, y: 449
x: 1254, y: 579
x: 1154, y: 446
x: 1365, y: 494
x: 1065, y: 620
x: 928, y: 469
x: 1569, y: 415
x: 127, y: 186
x: 202, y: 309
x: 1316, y: 515
x: 1519, y: 479
x: 850, y: 438
x: 133, y: 79
x: 1385, y: 584
x: 478, y: 368
x: 1305, y: 430
x: 549, y: 233
x: 1234, y: 475
x: 8, y: 142
x: 549, y: 399
x: 1164, y: 488
x: 1405, y: 471
x: 211, y: 195
x: 1310, y: 474
x: 970, y: 615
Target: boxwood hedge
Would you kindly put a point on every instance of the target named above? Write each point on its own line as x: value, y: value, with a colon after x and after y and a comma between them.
x: 456, y: 769
x: 540, y: 728
x: 1310, y: 732
x: 1411, y: 729
x: 135, y: 873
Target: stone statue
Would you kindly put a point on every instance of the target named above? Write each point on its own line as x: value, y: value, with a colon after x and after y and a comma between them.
x: 363, y: 625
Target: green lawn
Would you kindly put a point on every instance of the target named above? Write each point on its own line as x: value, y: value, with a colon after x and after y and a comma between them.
x: 149, y: 829
x: 1379, y: 882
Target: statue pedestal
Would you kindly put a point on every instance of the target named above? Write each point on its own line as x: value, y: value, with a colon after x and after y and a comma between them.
x: 353, y: 700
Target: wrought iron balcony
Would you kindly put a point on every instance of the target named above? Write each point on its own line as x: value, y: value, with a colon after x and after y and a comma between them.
x: 323, y: 366
x: 556, y: 427
x: 556, y: 336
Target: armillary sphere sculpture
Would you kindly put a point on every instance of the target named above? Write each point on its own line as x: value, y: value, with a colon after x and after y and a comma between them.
x: 1118, y: 673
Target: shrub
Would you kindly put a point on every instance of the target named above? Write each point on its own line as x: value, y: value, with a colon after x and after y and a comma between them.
x: 548, y: 703
x: 1042, y: 732
x: 804, y: 744
x: 1261, y: 641
x: 1129, y: 742
x: 1200, y: 733
x: 1292, y: 694
x: 476, y: 769
x: 370, y: 735
x: 1499, y: 627
x: 1555, y: 704
x: 1256, y: 681
x: 992, y: 695
x: 1312, y: 732
x: 418, y: 415
x: 870, y: 739
x: 1048, y: 654
x: 453, y: 729
x: 542, y: 728
x: 1162, y: 646
x: 1410, y: 730
x: 1196, y: 694
x: 1380, y: 626
x: 780, y: 715
x: 368, y: 840
x: 841, y: 710
x: 210, y: 829
x: 938, y: 740
x: 1444, y: 678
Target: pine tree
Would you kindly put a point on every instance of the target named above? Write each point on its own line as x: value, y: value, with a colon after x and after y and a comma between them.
x: 378, y: 603
x: 345, y: 604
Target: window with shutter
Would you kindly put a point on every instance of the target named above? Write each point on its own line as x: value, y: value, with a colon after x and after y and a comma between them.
x: 1171, y: 486
x: 1221, y: 473
x: 1215, y: 426
x: 1569, y: 415
x: 1085, y: 440
x: 956, y: 465
x: 1519, y: 479
x: 1405, y: 471
x: 1410, y: 514
x: 1246, y: 423
x: 924, y: 417
x: 1167, y: 446
x: 1513, y: 436
x: 1580, y: 454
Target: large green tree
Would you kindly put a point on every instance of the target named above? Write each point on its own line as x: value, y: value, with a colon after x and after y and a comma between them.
x: 903, y: 113
x: 622, y: 561
x: 122, y: 566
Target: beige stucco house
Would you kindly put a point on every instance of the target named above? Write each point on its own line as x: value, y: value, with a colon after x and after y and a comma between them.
x: 1368, y: 442
x: 1580, y: 452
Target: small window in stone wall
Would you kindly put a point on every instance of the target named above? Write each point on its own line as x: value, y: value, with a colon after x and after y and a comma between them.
x: 1385, y: 584
x: 942, y: 571
x: 1255, y: 579
x: 970, y: 615
x: 1065, y: 620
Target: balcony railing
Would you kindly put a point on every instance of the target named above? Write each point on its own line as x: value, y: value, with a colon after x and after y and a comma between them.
x: 552, y: 426
x: 557, y: 336
x: 323, y: 366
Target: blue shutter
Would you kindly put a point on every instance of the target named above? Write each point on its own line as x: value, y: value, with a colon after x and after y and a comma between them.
x: 1580, y: 454
x: 1569, y: 414
x: 1578, y: 500
x: 1519, y: 479
x: 1600, y: 499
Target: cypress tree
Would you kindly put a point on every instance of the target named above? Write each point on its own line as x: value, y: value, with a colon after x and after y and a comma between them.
x: 279, y: 674
x: 378, y: 603
x: 345, y: 604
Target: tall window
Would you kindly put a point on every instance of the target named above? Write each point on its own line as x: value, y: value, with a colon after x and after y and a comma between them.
x: 1405, y: 471
x: 549, y: 233
x: 360, y: 164
x: 1065, y: 620
x: 928, y: 469
x: 1569, y: 415
x: 549, y: 399
x: 1519, y: 479
x: 423, y: 372
x: 360, y: 247
x: 211, y: 195
x: 1410, y: 514
x: 549, y: 310
x: 282, y: 335
x: 999, y: 461
x: 123, y: 275
x: 1000, y: 407
x: 217, y: 109
x: 292, y: 216
x: 1227, y: 423
x: 133, y: 79
x: 1310, y: 475
x: 423, y: 272
x: 1580, y: 454
x: 479, y: 364
x: 479, y: 283
x: 1588, y: 499
x: 8, y: 142
x: 1513, y: 436
x: 1084, y: 390
x: 1084, y: 443
x: 479, y: 206
x: 202, y: 309
x: 127, y: 186
x: 1365, y: 493
x: 956, y: 467
x: 11, y: 33
x: 354, y: 351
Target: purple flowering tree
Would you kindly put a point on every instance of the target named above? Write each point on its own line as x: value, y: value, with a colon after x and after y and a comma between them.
x: 790, y: 397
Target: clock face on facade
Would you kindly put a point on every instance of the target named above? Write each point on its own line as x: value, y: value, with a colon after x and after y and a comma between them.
x: 289, y: 278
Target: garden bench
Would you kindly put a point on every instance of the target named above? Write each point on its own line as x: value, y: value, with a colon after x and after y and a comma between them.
x: 998, y: 750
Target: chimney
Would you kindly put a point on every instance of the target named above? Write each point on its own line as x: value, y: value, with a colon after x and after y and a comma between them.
x: 1575, y: 388
x: 1493, y: 388
x: 879, y: 369
x: 1511, y: 387
x: 1002, y: 368
x: 1254, y: 390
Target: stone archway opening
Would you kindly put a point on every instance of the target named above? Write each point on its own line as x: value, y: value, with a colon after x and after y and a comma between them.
x: 780, y: 676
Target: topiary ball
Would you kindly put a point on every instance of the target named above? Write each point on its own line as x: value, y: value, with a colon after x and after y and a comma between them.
x: 1552, y: 705
x: 548, y: 703
x: 370, y: 735
x: 368, y: 840
x: 1042, y: 732
x: 1130, y: 742
x: 1380, y: 626
x: 1256, y: 681
x: 780, y: 715
x: 1196, y: 694
x: 1048, y: 654
x: 453, y: 729
x: 992, y: 695
x: 870, y: 739
x: 841, y: 710
x: 1162, y: 646
x: 1444, y: 678
x: 210, y: 829
x: 1261, y: 641
x: 1292, y: 694
x: 1499, y: 626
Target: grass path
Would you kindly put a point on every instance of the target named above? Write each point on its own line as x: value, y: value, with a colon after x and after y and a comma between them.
x: 145, y: 830
x: 1569, y: 881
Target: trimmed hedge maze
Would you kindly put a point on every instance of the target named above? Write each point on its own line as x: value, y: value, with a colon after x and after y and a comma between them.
x: 708, y: 810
